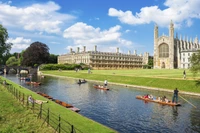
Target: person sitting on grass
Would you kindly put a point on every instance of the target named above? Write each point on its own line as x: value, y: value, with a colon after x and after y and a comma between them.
x: 31, y: 100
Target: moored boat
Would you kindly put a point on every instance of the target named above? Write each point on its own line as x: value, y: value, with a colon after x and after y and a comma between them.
x: 158, y: 101
x: 100, y: 87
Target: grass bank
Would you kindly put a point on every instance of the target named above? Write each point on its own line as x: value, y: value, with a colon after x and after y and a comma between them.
x: 14, y: 118
x: 164, y: 79
x: 83, y: 124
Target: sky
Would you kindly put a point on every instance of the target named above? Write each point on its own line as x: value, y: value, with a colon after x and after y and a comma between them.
x: 108, y: 24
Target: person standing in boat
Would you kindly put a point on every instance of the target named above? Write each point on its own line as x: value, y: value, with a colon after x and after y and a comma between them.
x: 175, y: 96
x: 105, y: 83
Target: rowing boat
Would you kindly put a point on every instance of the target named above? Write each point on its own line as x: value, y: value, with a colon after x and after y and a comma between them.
x: 100, y: 87
x: 158, y: 101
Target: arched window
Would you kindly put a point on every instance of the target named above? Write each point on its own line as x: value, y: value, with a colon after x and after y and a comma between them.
x: 163, y: 50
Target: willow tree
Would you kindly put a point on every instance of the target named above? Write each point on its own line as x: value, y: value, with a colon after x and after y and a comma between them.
x: 4, y: 46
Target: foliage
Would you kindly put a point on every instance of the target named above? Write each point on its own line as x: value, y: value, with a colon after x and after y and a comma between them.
x: 12, y: 61
x: 59, y: 66
x: 53, y: 59
x: 150, y: 62
x: 4, y: 47
x: 195, y: 63
x: 36, y: 53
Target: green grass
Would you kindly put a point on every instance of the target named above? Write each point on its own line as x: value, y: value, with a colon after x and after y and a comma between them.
x: 80, y: 122
x: 14, y: 118
x: 165, y: 79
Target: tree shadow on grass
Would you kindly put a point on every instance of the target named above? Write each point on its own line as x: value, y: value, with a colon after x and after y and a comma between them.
x: 197, y: 82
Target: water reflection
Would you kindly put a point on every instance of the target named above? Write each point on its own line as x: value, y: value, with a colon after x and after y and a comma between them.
x: 119, y: 109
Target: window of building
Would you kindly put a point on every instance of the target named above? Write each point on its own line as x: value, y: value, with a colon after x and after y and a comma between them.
x: 183, y: 59
x: 183, y: 54
x: 188, y: 54
x: 163, y: 50
x: 188, y: 65
x: 183, y: 65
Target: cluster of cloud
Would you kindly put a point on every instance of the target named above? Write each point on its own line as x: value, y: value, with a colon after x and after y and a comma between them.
x: 37, y: 17
x: 181, y: 12
x: 19, y: 43
x: 86, y: 35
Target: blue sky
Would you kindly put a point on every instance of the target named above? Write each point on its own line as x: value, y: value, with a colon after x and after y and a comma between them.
x: 127, y: 24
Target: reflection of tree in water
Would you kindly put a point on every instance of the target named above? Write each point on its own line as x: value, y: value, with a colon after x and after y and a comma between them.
x: 175, y: 112
x: 195, y: 119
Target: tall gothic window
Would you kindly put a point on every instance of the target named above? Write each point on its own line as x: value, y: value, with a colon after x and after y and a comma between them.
x: 163, y: 51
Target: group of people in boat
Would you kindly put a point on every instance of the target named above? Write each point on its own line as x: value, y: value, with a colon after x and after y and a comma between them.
x: 81, y: 81
x: 164, y: 98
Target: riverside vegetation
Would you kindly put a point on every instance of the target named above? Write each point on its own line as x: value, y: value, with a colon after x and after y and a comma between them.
x: 14, y: 118
x: 164, y: 78
x: 80, y: 122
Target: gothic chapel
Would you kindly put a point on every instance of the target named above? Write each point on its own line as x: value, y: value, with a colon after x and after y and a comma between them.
x: 172, y: 53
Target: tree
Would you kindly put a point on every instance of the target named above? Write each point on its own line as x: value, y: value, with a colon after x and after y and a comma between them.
x: 12, y: 61
x: 4, y: 47
x: 37, y: 53
x: 53, y: 59
x: 195, y: 62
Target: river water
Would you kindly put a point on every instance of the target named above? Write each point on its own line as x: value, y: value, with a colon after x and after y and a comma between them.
x: 119, y: 109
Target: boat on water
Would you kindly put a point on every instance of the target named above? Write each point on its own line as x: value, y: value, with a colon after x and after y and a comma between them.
x: 157, y: 101
x: 81, y: 81
x: 33, y: 83
x: 64, y: 104
x: 100, y: 87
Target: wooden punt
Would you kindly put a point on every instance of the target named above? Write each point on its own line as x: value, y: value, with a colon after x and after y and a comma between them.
x: 100, y: 87
x: 74, y: 109
x: 45, y: 95
x: 66, y: 105
x: 33, y: 83
x: 82, y: 82
x: 157, y: 101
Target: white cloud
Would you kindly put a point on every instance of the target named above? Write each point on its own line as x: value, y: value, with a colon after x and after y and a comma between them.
x: 85, y: 35
x: 180, y: 11
x: 127, y: 31
x: 37, y: 17
x: 19, y: 43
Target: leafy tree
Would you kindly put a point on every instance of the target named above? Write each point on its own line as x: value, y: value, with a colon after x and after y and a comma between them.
x: 195, y: 62
x: 4, y: 47
x: 36, y: 53
x: 12, y: 61
x: 150, y: 62
x: 53, y: 59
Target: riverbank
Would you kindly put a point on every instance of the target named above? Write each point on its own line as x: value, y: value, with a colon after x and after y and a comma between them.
x: 15, y: 118
x: 79, y: 122
x: 190, y: 87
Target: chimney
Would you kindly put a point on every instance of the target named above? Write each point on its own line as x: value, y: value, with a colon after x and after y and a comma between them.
x: 117, y: 50
x: 70, y: 50
x: 95, y: 48
x: 78, y: 49
x: 84, y: 48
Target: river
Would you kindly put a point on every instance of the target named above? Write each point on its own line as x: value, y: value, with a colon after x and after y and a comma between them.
x: 119, y: 109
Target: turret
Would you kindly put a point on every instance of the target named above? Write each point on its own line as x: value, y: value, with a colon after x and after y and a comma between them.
x: 95, y: 48
x: 155, y: 31
x: 84, y: 48
x: 117, y: 50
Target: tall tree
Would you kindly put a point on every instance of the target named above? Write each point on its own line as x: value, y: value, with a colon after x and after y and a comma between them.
x: 195, y: 62
x: 4, y: 47
x: 53, y: 59
x: 37, y: 53
x: 13, y: 61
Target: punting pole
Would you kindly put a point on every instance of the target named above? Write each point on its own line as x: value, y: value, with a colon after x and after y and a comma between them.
x: 188, y: 101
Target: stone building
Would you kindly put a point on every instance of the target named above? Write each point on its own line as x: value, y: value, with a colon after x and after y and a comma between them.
x: 104, y: 60
x: 172, y: 52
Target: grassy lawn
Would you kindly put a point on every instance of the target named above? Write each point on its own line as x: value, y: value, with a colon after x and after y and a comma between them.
x: 165, y: 79
x: 83, y: 124
x: 14, y: 118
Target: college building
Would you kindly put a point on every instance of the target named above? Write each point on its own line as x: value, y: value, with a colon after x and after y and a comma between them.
x: 104, y: 60
x: 172, y: 52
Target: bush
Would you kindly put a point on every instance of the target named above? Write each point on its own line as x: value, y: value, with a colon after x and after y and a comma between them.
x: 60, y: 66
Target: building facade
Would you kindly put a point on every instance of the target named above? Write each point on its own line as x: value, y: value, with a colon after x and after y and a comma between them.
x: 104, y: 60
x: 172, y: 52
